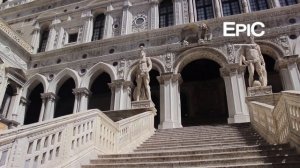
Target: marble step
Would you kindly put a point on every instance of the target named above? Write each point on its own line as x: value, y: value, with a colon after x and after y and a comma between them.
x: 201, y: 151
x: 199, y: 142
x: 196, y: 139
x: 236, y: 161
x: 204, y: 146
x: 194, y: 157
x: 204, y: 130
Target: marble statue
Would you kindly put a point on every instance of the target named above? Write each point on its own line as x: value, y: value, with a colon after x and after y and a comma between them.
x: 142, y: 90
x: 254, y: 60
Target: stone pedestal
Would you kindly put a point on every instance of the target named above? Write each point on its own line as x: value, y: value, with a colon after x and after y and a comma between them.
x: 142, y: 104
x: 259, y: 90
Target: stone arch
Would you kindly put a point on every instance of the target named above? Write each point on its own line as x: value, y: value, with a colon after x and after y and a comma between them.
x: 156, y: 64
x: 193, y: 54
x: 270, y: 49
x: 61, y: 77
x: 32, y: 82
x: 95, y: 71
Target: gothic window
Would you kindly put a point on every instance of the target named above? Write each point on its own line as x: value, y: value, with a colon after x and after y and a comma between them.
x: 231, y: 7
x: 204, y: 9
x: 44, y: 40
x: 98, y: 27
x: 7, y: 101
x: 257, y: 5
x: 166, y: 15
x: 287, y: 2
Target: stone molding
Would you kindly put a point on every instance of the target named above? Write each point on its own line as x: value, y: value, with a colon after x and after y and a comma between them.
x: 287, y: 60
x: 169, y: 76
x: 82, y: 91
x: 232, y: 69
x: 49, y: 96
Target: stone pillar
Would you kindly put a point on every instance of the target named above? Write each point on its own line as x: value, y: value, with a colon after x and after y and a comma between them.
x: 192, y: 12
x: 180, y: 12
x: 289, y: 72
x: 24, y: 103
x: 35, y: 42
x: 246, y: 6
x: 13, y: 112
x: 81, y: 99
x: 88, y: 26
x: 126, y: 18
x: 217, y: 8
x: 233, y: 75
x: 154, y: 14
x: 121, y: 90
x: 275, y: 3
x: 49, y: 100
x: 170, y: 106
x: 108, y: 29
x: 52, y: 34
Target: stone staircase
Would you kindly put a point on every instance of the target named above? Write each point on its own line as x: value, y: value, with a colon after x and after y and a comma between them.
x: 204, y: 146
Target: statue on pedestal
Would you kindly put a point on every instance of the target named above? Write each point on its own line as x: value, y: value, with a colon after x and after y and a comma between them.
x: 142, y: 90
x: 254, y: 60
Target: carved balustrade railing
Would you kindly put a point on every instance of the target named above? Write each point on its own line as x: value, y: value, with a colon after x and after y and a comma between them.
x: 280, y: 123
x: 70, y: 140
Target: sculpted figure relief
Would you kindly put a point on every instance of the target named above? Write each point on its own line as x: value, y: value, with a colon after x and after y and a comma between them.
x: 254, y: 60
x: 142, y: 90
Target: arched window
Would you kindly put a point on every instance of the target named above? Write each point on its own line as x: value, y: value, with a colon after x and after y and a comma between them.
x: 44, y: 40
x: 98, y: 27
x: 204, y: 9
x: 231, y: 7
x: 287, y: 2
x: 166, y: 14
x: 257, y: 5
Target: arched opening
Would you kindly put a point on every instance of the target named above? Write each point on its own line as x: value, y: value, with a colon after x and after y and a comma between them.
x: 202, y: 93
x: 7, y: 101
x: 155, y: 94
x: 166, y: 14
x: 98, y: 27
x: 101, y: 93
x: 33, y: 110
x: 66, y: 98
x: 273, y: 74
x: 43, y: 40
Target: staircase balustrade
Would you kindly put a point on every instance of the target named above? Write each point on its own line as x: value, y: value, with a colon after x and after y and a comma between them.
x: 71, y: 140
x: 278, y: 124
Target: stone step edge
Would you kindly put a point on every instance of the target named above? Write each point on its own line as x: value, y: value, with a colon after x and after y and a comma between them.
x: 208, y: 160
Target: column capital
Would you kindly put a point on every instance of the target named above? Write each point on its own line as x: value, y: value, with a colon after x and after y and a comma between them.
x: 49, y: 96
x: 232, y: 69
x: 154, y: 2
x: 169, y: 76
x: 24, y: 101
x: 85, y: 91
x: 287, y: 60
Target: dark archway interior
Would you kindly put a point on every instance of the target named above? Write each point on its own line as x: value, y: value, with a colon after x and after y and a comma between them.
x: 35, y: 103
x: 66, y: 98
x: 274, y: 78
x: 203, y: 95
x: 101, y: 93
x: 155, y: 94
x: 6, y: 102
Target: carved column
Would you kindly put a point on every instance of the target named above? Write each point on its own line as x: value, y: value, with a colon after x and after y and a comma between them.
x: 233, y: 75
x: 154, y: 17
x: 126, y: 18
x: 170, y: 106
x: 24, y: 103
x: 108, y: 23
x: 88, y: 26
x: 275, y: 3
x: 290, y: 72
x: 246, y: 6
x: 52, y: 34
x: 121, y: 96
x: 181, y: 11
x: 218, y: 9
x: 35, y: 42
x: 81, y: 99
x: 49, y: 100
x: 192, y: 11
